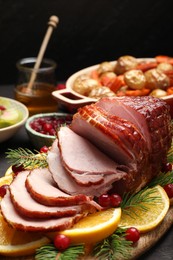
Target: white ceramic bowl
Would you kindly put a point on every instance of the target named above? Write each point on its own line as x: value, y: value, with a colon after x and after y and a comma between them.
x: 38, y: 139
x: 73, y: 100
x: 70, y: 97
x: 9, y: 131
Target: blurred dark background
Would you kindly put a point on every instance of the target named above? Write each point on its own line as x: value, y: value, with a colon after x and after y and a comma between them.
x: 89, y: 32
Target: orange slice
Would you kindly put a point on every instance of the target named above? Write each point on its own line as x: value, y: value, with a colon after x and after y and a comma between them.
x: 18, y: 243
x: 93, y: 228
x: 147, y: 220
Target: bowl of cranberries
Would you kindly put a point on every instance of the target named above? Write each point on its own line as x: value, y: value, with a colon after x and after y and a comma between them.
x: 42, y: 128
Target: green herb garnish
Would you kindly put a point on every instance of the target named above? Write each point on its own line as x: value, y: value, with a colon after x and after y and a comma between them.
x: 27, y: 158
x: 139, y: 200
x: 114, y: 247
x: 50, y: 252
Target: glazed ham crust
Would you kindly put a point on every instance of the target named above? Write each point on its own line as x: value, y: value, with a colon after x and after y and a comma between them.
x: 149, y: 117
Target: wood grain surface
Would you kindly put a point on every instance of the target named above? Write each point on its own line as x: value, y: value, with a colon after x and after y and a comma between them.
x: 146, y: 241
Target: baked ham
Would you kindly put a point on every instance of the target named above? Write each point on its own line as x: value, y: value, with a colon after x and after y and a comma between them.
x: 147, y: 117
x: 115, y: 145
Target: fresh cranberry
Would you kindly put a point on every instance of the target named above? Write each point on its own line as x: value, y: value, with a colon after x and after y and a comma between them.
x: 115, y: 200
x: 169, y: 189
x: 44, y: 149
x: 104, y: 200
x: 2, y: 108
x: 35, y: 126
x: 52, y: 132
x: 132, y: 234
x: 3, y: 190
x: 166, y: 167
x: 16, y: 169
x: 47, y: 127
x: 61, y: 242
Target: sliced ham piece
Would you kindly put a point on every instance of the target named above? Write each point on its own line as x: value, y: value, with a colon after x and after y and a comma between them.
x: 119, y: 135
x: 19, y: 222
x: 65, y: 181
x: 48, y: 193
x: 83, y: 161
x: 28, y: 207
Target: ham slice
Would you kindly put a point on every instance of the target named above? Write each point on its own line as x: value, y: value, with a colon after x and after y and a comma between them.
x: 28, y: 207
x: 122, y: 140
x: 87, y: 165
x: 48, y: 193
x: 68, y: 184
x: 20, y: 222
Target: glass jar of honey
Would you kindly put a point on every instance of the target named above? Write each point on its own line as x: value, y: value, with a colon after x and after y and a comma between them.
x: 38, y: 97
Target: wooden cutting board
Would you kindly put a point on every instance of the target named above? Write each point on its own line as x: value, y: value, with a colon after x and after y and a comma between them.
x: 146, y: 241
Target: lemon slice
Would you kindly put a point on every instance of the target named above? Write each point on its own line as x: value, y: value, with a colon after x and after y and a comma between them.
x: 147, y: 220
x: 95, y: 227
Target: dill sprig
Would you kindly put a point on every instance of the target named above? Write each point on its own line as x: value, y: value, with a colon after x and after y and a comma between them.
x: 27, y: 158
x: 115, y: 247
x: 139, y: 200
x: 50, y: 252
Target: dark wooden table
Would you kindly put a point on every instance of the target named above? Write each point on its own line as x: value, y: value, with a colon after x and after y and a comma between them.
x: 163, y: 250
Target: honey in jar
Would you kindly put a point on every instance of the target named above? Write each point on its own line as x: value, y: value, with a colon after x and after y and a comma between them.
x: 38, y: 99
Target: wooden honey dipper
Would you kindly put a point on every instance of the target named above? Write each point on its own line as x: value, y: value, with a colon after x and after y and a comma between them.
x: 53, y: 21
